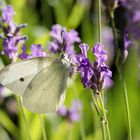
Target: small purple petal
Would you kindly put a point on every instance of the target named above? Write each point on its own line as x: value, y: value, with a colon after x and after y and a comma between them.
x: 136, y: 16
x: 9, y: 48
x: 84, y: 48
x: 127, y: 42
x: 62, y: 111
x: 74, y: 111
x: 23, y: 55
x: 71, y: 36
x: 7, y: 14
x: 108, y: 83
x: 53, y: 47
x: 56, y: 32
x: 37, y: 51
x: 100, y: 53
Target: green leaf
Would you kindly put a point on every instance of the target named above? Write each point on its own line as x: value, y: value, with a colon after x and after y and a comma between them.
x: 60, y: 13
x: 76, y: 16
x: 3, y: 134
x: 35, y: 128
x: 7, y: 123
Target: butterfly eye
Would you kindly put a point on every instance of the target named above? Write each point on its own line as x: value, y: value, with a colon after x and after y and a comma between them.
x: 21, y: 79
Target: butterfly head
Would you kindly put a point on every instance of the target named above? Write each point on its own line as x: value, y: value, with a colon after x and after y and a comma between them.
x: 65, y: 60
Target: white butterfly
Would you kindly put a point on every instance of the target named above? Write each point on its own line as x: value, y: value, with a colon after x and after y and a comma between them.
x: 40, y: 81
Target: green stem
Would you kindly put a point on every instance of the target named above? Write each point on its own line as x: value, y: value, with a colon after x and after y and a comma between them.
x: 24, y: 117
x: 96, y: 105
x: 120, y: 73
x: 116, y: 57
x: 113, y: 29
x: 103, y: 129
x: 43, y: 127
x: 104, y: 126
x: 100, y: 41
x: 99, y: 21
x: 98, y: 108
x: 105, y: 120
x: 126, y: 104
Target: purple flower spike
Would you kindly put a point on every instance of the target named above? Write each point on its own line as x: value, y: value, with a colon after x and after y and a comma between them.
x: 93, y: 75
x: 23, y: 55
x: 37, y: 51
x: 63, y: 40
x: 133, y: 17
x: 11, y: 37
x: 7, y: 14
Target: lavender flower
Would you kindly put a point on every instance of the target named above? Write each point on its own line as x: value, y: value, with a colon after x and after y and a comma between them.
x: 7, y: 14
x: 124, y: 51
x: 127, y: 42
x: 71, y: 114
x: 93, y: 74
x: 133, y: 17
x: 36, y: 51
x: 63, y: 40
x: 10, y: 35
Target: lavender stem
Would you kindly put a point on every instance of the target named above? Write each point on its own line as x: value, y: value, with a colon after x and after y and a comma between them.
x: 24, y: 117
x: 120, y: 73
x: 126, y: 104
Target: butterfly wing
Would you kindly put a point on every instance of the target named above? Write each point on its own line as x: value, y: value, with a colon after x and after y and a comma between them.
x: 17, y: 76
x: 46, y: 92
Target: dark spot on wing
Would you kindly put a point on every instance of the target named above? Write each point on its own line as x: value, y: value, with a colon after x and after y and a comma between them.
x: 21, y: 79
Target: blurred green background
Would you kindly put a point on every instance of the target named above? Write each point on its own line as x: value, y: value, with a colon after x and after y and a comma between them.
x: 81, y: 15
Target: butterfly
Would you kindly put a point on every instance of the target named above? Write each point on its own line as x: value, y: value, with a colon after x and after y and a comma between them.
x: 41, y: 82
